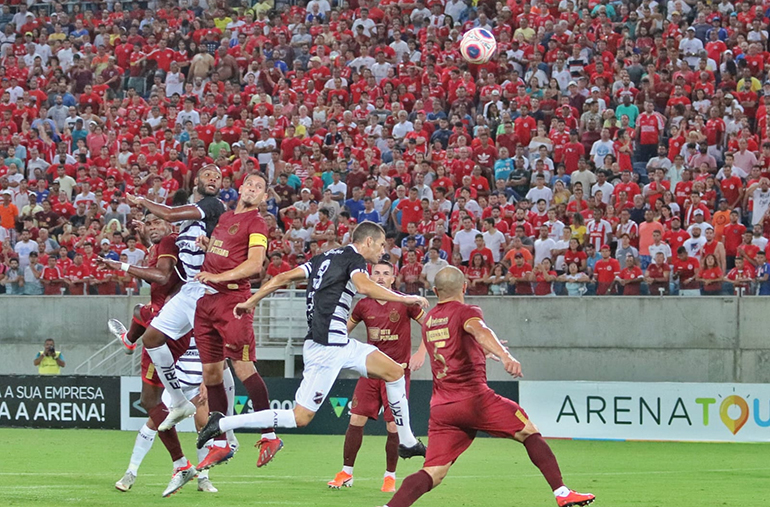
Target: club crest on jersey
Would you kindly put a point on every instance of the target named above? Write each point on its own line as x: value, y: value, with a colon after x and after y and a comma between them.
x: 394, y: 316
x: 318, y: 398
x: 233, y: 229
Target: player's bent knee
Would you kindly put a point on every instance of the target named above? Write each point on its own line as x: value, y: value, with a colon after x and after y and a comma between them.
x: 153, y: 338
x: 437, y: 473
x: 244, y: 369
x: 303, y: 416
x: 360, y: 420
x: 528, y: 430
x: 391, y: 427
x: 213, y: 373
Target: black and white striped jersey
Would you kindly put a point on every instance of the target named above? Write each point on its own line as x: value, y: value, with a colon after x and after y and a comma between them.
x: 190, y: 254
x: 189, y: 370
x: 330, y: 292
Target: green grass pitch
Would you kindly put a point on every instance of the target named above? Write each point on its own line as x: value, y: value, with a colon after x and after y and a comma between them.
x: 79, y: 467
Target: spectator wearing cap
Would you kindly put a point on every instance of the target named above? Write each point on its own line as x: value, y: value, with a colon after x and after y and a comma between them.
x: 106, y: 252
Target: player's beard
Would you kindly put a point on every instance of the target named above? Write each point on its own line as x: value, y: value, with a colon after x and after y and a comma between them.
x: 249, y: 204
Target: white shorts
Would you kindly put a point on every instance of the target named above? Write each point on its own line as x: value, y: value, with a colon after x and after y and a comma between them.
x: 177, y: 317
x: 189, y: 393
x: 323, y: 364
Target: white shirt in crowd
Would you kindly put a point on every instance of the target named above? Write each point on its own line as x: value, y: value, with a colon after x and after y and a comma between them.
x: 543, y: 249
x: 495, y: 241
x: 466, y: 242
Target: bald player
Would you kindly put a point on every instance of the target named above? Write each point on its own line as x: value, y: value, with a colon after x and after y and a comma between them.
x: 458, y: 343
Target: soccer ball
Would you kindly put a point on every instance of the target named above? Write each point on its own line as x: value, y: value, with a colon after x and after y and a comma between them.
x: 478, y: 46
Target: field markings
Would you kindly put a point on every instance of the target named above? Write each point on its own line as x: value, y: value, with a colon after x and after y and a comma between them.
x: 318, y: 478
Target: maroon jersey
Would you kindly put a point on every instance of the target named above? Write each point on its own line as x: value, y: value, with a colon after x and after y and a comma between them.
x: 388, y: 326
x: 230, y: 242
x: 458, y: 361
x: 167, y: 247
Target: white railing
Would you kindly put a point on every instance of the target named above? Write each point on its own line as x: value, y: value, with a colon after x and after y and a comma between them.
x: 280, y: 319
x: 279, y: 328
x: 112, y: 360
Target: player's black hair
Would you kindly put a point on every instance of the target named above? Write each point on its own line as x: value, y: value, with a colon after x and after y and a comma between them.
x: 385, y: 262
x: 367, y: 230
x: 180, y: 198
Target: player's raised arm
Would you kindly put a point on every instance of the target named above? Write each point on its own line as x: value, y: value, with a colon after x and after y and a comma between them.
x: 489, y: 341
x: 160, y: 274
x: 275, y: 283
x: 168, y: 213
x: 367, y: 287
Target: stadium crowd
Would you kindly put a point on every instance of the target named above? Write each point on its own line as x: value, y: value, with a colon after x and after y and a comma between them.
x: 610, y: 147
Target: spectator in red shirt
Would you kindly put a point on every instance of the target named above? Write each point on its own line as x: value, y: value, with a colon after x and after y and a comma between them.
x: 631, y: 277
x: 520, y: 276
x: 605, y: 272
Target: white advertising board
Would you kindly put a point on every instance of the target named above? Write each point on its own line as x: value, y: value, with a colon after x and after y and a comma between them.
x: 649, y: 411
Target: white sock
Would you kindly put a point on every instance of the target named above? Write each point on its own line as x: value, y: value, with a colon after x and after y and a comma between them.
x: 229, y: 383
x: 144, y: 439
x: 203, y: 474
x: 181, y: 462
x: 348, y: 470
x: 390, y: 474
x: 164, y: 363
x: 399, y: 406
x: 269, y: 436
x: 258, y: 420
x: 562, y: 491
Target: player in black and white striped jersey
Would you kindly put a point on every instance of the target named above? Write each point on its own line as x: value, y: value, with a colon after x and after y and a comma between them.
x: 189, y: 371
x: 334, y: 277
x: 177, y: 317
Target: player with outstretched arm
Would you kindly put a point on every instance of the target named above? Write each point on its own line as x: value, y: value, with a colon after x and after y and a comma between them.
x: 459, y: 342
x: 334, y: 278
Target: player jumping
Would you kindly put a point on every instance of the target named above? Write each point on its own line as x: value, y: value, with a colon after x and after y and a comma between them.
x: 189, y: 371
x: 334, y: 277
x: 458, y: 341
x: 162, y: 274
x: 236, y: 252
x: 177, y: 316
x: 387, y: 328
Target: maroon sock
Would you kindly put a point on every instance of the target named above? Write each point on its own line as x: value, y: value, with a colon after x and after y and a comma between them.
x: 217, y: 402
x: 411, y: 489
x: 542, y: 457
x: 169, y: 438
x: 257, y: 390
x: 353, y: 438
x: 391, y: 452
x: 135, y: 331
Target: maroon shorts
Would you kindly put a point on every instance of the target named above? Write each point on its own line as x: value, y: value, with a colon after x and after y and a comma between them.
x: 177, y: 348
x: 370, y: 395
x: 453, y: 426
x: 218, y: 334
x: 146, y: 314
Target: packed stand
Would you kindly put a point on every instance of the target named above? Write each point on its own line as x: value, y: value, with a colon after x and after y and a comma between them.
x: 609, y: 148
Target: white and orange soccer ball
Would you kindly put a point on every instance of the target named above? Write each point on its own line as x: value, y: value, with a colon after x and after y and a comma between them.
x: 478, y: 46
